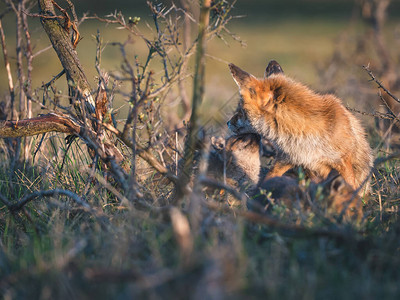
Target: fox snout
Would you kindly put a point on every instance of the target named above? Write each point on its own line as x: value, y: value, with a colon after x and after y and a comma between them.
x: 230, y: 125
x: 233, y: 124
x: 238, y: 123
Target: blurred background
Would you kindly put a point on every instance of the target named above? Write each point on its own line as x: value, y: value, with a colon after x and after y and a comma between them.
x: 322, y: 43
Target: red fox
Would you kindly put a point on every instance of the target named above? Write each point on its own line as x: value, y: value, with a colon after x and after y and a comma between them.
x: 307, y: 129
x: 242, y: 156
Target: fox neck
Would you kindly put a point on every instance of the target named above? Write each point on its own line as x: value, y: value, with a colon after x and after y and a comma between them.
x: 268, y: 130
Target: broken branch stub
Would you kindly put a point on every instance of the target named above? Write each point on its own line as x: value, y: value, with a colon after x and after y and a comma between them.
x: 42, y: 124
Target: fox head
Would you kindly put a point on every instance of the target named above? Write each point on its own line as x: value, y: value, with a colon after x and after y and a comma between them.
x: 342, y: 197
x: 257, y: 96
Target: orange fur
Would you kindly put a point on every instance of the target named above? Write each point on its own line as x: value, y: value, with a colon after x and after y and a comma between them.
x: 307, y: 129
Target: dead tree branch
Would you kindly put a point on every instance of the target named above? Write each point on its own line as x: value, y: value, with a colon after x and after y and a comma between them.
x: 34, y: 126
x: 61, y: 41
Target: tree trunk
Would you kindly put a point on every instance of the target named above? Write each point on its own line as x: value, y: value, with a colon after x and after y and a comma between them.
x: 79, y: 87
x: 61, y: 40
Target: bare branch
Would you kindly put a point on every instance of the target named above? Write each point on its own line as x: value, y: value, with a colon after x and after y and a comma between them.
x: 380, y: 85
x: 61, y: 123
x: 65, y: 50
x: 21, y: 203
x: 377, y: 114
x: 381, y: 160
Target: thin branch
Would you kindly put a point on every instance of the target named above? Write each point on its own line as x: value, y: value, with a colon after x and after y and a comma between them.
x: 20, y: 205
x: 25, y: 200
x: 381, y: 160
x: 8, y: 69
x: 380, y: 85
x: 377, y: 114
x: 389, y: 109
x: 5, y: 200
x: 46, y: 85
x: 29, y: 59
x: 20, y: 73
x: 42, y: 51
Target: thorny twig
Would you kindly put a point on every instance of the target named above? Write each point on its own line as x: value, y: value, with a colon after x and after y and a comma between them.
x: 390, y: 115
x: 380, y: 85
x: 376, y: 114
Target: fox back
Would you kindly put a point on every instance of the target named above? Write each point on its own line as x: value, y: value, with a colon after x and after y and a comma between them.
x: 307, y: 129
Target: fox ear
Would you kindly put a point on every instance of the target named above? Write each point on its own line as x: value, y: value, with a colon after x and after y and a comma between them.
x: 273, y: 68
x: 241, y: 77
x: 218, y: 143
x: 335, y: 182
x: 279, y: 95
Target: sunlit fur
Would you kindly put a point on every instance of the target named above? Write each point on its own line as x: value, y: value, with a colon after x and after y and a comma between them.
x: 307, y: 129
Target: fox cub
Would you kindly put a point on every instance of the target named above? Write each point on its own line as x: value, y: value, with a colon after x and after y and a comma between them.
x: 241, y: 156
x: 307, y: 129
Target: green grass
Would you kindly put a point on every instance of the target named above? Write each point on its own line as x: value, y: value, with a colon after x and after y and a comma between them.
x: 56, y: 249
